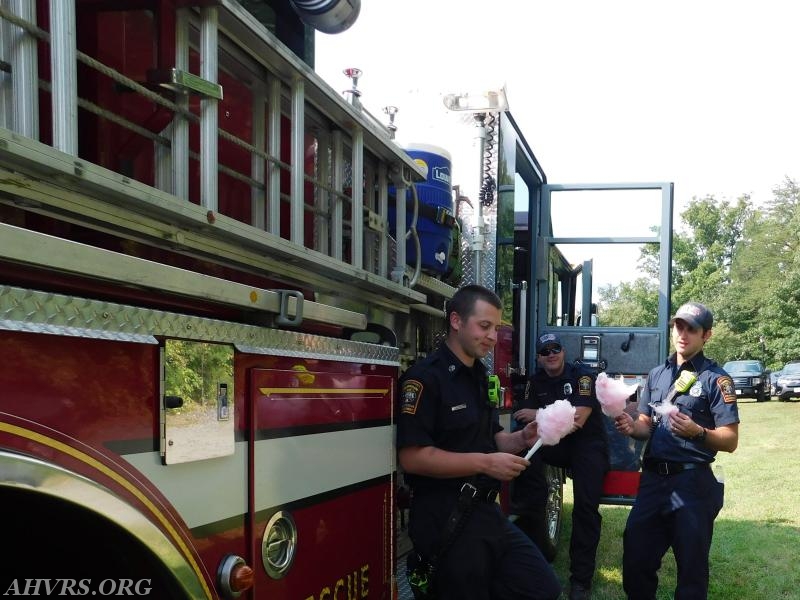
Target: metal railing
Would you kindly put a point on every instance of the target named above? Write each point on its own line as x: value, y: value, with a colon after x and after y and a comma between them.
x: 344, y: 187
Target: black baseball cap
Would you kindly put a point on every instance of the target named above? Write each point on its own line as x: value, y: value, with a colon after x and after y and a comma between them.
x: 548, y: 339
x: 695, y: 314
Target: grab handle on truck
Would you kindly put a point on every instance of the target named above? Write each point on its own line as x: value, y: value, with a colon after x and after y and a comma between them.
x: 283, y: 317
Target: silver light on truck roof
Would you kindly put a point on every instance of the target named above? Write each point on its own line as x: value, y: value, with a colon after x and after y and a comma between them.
x: 487, y: 101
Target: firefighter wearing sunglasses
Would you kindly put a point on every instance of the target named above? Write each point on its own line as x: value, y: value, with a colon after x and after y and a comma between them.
x: 584, y: 452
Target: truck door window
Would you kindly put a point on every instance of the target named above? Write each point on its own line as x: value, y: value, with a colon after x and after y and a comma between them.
x: 597, y: 252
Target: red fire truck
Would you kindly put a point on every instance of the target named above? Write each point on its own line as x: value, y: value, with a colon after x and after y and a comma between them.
x: 213, y: 268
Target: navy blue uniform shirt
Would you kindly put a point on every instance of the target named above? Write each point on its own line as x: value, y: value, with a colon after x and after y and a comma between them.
x: 710, y: 402
x: 444, y: 403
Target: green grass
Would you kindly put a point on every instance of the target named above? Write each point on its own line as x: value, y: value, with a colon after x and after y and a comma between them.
x: 757, y: 534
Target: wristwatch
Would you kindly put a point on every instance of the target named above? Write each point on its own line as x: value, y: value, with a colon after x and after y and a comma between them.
x: 701, y: 437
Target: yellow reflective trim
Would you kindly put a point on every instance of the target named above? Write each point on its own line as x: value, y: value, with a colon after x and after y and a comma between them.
x: 291, y: 390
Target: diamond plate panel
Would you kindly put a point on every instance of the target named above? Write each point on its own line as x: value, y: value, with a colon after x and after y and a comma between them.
x: 43, y: 312
x: 487, y: 276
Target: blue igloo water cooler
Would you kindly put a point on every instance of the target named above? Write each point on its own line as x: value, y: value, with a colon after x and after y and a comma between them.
x: 435, y: 220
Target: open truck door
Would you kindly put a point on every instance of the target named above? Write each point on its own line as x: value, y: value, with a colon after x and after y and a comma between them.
x: 591, y: 242
x: 568, y: 270
x: 573, y: 249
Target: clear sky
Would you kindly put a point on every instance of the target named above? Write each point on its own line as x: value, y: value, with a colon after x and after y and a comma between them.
x: 702, y: 93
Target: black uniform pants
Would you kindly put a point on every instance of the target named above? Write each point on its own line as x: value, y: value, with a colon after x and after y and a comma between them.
x: 490, y: 559
x: 671, y: 510
x: 588, y: 463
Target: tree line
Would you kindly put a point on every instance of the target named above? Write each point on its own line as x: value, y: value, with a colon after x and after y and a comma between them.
x: 740, y: 260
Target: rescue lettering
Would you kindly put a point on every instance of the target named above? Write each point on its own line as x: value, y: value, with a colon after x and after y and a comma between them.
x: 352, y: 587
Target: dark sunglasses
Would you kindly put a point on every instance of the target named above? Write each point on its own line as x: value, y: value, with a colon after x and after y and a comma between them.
x: 549, y: 351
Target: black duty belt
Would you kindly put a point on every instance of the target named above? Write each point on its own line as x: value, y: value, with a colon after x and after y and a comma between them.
x: 477, y: 494
x: 671, y: 468
x: 468, y: 493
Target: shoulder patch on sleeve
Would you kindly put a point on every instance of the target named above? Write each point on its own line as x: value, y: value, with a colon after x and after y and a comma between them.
x: 409, y: 396
x: 726, y: 387
x: 585, y: 385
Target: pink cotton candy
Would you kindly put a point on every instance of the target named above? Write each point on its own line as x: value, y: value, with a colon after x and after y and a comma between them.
x: 666, y: 408
x: 613, y: 394
x: 554, y: 421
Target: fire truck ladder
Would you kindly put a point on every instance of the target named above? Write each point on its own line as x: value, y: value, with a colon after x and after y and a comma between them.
x: 318, y: 205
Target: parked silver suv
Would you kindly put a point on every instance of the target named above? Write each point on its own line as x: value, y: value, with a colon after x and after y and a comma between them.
x: 788, y: 384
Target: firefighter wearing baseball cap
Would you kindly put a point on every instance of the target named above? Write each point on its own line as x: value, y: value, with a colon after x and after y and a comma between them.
x: 584, y: 452
x: 688, y: 413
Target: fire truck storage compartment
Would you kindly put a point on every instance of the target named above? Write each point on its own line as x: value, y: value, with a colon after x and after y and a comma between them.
x: 435, y: 219
x: 323, y: 430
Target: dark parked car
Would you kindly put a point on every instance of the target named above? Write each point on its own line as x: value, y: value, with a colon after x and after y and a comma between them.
x: 750, y: 378
x: 788, y: 384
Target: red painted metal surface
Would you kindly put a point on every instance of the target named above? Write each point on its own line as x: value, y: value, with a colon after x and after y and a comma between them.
x: 343, y: 550
x: 298, y: 397
x: 504, y: 354
x: 95, y: 391
x: 504, y: 359
x: 345, y: 537
x: 71, y: 401
x: 621, y: 483
x: 296, y: 370
x: 89, y: 396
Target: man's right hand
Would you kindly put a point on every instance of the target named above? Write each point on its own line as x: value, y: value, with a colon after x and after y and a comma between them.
x: 504, y: 466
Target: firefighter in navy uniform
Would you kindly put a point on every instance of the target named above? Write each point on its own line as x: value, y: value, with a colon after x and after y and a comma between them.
x: 687, y: 412
x: 584, y: 451
x: 455, y: 454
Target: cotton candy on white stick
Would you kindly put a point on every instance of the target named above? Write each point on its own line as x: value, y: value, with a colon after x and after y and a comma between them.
x: 682, y: 385
x: 666, y: 408
x: 613, y: 394
x: 553, y: 422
